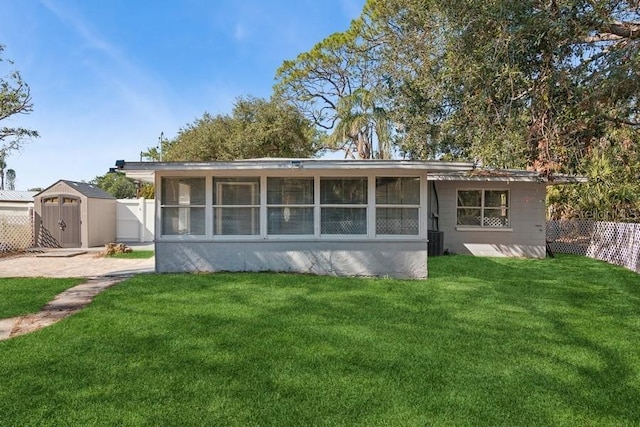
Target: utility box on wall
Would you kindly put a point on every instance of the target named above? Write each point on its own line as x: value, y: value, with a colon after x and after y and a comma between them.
x: 436, y: 243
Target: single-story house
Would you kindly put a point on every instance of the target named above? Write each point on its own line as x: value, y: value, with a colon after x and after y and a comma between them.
x: 338, y: 217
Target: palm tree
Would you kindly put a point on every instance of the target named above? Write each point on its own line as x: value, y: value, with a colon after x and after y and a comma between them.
x: 361, y: 123
x: 11, y: 179
x: 3, y: 165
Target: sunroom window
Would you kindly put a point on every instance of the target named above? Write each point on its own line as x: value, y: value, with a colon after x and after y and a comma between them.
x: 290, y: 206
x: 343, y: 206
x: 483, y: 208
x: 397, y: 205
x: 183, y: 206
x: 236, y: 206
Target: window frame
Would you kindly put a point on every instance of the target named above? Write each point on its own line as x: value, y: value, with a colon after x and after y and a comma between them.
x: 483, y: 208
x: 365, y: 206
x: 316, y: 175
x: 215, y: 204
x: 188, y: 207
x: 311, y: 205
x: 407, y: 206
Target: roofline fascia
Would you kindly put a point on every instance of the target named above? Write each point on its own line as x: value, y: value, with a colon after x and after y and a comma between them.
x: 296, y: 164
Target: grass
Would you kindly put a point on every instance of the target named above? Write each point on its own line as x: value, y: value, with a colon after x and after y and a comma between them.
x: 482, y: 342
x: 141, y: 254
x: 24, y: 296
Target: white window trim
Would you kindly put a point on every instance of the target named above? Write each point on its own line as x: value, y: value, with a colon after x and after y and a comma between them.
x: 267, y: 206
x: 370, y: 208
x: 419, y: 207
x: 482, y: 208
x: 161, y: 207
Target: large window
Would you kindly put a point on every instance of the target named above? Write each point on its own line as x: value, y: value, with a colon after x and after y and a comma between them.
x: 343, y: 206
x: 236, y: 206
x: 483, y: 208
x: 303, y: 206
x: 397, y: 205
x: 183, y: 206
x: 290, y: 206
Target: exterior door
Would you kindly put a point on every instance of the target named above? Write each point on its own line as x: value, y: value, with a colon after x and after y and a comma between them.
x: 61, y: 220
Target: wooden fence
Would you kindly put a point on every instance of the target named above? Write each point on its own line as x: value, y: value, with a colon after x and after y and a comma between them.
x: 614, y: 242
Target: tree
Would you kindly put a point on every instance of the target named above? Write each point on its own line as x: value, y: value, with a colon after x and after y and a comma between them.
x: 116, y: 184
x: 3, y: 166
x: 509, y: 83
x: 256, y: 128
x: 336, y: 86
x: 15, y: 98
x: 11, y: 179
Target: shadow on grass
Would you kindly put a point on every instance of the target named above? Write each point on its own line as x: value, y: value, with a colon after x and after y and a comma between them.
x: 493, y: 342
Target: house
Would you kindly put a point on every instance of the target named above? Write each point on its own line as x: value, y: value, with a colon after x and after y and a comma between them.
x: 338, y: 217
x: 73, y: 214
x: 16, y: 202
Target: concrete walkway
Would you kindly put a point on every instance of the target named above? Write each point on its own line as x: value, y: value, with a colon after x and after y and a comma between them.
x: 100, y: 272
x: 88, y: 264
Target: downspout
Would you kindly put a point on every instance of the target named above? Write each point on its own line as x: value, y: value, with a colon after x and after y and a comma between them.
x: 435, y: 215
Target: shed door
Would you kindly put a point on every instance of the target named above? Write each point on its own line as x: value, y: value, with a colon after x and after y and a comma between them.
x: 61, y: 219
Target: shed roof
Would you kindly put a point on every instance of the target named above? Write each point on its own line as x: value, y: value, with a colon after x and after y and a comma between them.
x: 89, y: 190
x: 17, y: 196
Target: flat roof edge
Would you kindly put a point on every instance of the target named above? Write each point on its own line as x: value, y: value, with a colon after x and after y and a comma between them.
x: 308, y: 164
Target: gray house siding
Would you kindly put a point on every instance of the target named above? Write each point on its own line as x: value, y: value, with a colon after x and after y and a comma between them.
x: 406, y: 259
x: 524, y: 238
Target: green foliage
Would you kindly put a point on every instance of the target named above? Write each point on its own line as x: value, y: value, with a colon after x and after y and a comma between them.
x: 336, y: 86
x: 116, y: 184
x: 510, y: 84
x: 15, y: 98
x: 612, y: 192
x: 482, y: 342
x: 257, y: 128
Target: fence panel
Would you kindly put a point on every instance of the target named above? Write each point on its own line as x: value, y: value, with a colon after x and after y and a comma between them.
x: 16, y: 233
x: 135, y: 220
x: 614, y: 242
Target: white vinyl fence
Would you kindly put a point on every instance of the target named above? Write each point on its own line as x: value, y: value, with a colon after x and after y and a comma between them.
x: 135, y: 220
x: 614, y: 242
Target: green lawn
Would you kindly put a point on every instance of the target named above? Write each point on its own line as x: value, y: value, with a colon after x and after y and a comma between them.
x: 135, y: 254
x: 482, y: 342
x: 24, y: 296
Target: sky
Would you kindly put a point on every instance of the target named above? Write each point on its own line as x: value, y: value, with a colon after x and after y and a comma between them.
x: 107, y: 77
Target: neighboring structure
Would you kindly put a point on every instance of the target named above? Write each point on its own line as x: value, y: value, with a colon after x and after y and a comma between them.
x: 16, y: 213
x: 339, y: 217
x: 16, y: 202
x: 72, y: 214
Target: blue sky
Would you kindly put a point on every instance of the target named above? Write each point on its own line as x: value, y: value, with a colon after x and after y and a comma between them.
x: 107, y: 76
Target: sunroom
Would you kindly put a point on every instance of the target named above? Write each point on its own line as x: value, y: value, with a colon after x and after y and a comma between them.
x: 335, y: 217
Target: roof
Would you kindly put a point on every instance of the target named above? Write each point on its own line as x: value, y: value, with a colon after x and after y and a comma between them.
x: 436, y: 169
x: 90, y: 190
x: 17, y: 196
x: 507, y: 175
x: 144, y: 171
